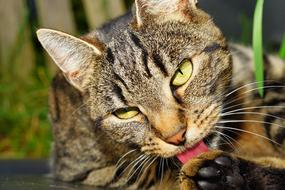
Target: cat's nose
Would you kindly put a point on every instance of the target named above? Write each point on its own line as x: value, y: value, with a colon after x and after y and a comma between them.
x: 178, y: 138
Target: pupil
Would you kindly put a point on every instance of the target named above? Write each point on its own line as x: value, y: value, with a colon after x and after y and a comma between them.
x: 179, y: 70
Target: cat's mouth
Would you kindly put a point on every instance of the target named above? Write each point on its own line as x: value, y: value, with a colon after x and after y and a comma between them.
x: 192, y: 152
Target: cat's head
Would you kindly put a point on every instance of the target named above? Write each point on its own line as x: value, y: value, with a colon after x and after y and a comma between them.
x: 159, y: 84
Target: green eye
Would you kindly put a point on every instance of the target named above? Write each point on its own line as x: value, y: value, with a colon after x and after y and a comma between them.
x: 183, y: 73
x: 127, y: 113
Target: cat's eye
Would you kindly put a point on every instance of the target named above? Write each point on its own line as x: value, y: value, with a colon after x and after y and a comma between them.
x: 127, y: 113
x: 183, y: 73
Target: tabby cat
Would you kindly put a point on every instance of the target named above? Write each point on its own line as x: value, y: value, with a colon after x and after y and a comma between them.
x: 157, y: 99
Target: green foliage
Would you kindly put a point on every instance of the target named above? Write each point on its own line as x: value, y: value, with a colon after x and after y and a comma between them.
x: 25, y: 130
x: 282, y: 48
x: 79, y: 16
x: 258, y: 45
x: 24, y: 127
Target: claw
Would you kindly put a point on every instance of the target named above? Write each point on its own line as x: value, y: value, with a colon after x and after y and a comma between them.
x: 205, y: 185
x: 223, y: 161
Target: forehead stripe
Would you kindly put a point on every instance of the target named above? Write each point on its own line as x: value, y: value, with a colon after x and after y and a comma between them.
x: 119, y: 92
x: 136, y: 41
x: 118, y: 78
x: 110, y: 56
x: 159, y: 63
x: 212, y: 47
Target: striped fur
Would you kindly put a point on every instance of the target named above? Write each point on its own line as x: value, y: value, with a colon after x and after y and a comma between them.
x: 268, y: 110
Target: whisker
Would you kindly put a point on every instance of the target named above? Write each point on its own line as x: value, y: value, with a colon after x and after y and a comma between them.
x: 167, y: 164
x: 136, y: 164
x: 253, y: 107
x: 236, y: 105
x: 143, y: 166
x: 228, y: 139
x: 249, y: 132
x: 121, y: 162
x: 77, y: 109
x: 253, y: 113
x: 246, y: 85
x: 161, y: 165
x: 249, y: 121
x: 126, y: 154
x: 151, y: 162
x: 174, y: 162
x: 132, y: 163
x: 224, y: 138
x: 138, y: 167
x: 220, y: 144
x: 119, y: 166
x: 242, y: 95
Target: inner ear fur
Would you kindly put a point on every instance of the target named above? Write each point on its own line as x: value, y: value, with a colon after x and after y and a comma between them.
x: 75, y: 57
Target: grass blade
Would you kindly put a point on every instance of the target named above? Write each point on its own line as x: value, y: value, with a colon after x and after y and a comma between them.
x: 258, y: 45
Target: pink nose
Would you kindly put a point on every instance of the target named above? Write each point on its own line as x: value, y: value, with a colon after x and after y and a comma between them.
x: 178, y: 138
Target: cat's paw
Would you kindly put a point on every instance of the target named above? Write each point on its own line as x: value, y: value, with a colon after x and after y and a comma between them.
x: 213, y: 170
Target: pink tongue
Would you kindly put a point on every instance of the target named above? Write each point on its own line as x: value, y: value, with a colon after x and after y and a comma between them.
x: 191, y: 153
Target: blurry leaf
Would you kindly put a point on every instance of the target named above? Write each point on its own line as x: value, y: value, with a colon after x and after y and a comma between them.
x: 282, y: 48
x: 258, y: 45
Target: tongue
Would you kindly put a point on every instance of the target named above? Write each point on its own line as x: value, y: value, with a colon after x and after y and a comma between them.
x: 192, y: 152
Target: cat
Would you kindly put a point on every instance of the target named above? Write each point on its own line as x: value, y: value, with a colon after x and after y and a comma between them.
x: 158, y: 99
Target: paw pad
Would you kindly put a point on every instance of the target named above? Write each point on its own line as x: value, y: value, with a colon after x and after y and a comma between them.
x: 218, y: 174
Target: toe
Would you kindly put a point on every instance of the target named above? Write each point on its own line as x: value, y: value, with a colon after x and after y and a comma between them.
x: 209, y: 172
x: 234, y: 181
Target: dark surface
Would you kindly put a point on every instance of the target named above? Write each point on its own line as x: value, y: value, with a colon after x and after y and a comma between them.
x: 36, y: 182
x: 31, y: 175
x: 23, y: 167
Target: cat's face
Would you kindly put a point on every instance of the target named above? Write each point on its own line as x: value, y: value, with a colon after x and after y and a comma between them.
x: 160, y: 84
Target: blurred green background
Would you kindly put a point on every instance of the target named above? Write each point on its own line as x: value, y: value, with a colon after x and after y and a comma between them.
x: 26, y: 71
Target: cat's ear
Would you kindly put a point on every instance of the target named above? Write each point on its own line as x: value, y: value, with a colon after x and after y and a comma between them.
x: 146, y: 9
x: 72, y: 55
